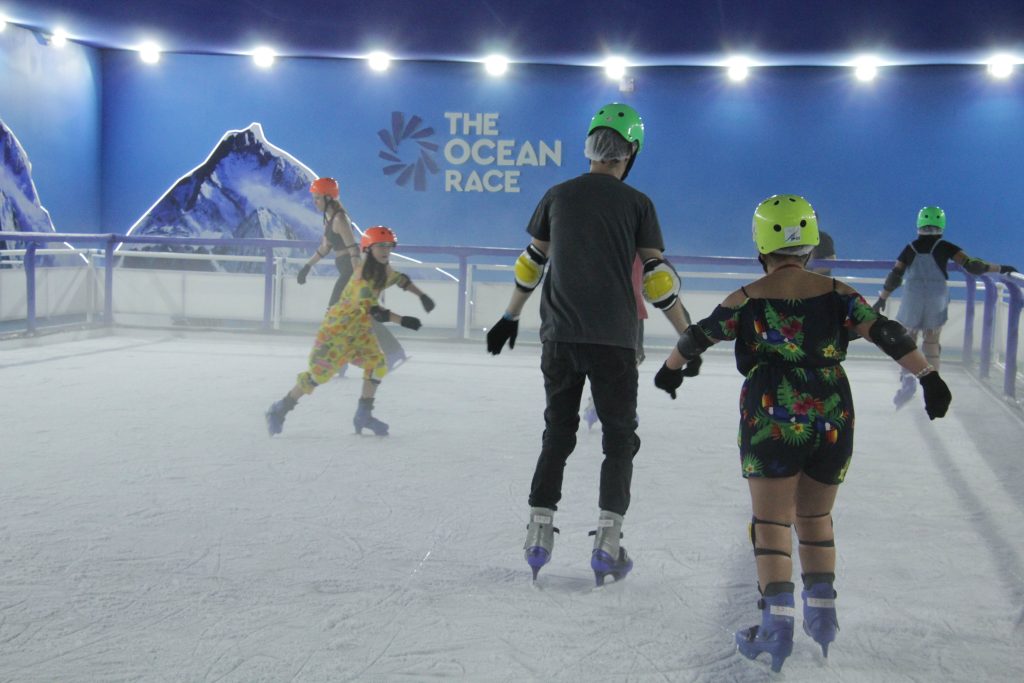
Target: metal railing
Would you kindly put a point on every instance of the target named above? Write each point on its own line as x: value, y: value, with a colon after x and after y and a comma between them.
x: 476, y: 269
x: 996, y: 305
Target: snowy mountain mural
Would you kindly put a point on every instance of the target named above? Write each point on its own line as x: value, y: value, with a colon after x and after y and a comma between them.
x: 246, y: 188
x: 20, y: 208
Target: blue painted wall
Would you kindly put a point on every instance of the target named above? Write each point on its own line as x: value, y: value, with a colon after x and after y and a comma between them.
x: 50, y: 99
x: 866, y: 155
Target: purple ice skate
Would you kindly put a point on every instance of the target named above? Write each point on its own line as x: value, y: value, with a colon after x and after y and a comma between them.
x: 603, y: 565
x: 364, y: 419
x: 774, y: 634
x: 537, y: 557
x: 590, y: 414
x: 908, y: 387
x: 608, y: 557
x: 820, y: 620
x: 540, y: 538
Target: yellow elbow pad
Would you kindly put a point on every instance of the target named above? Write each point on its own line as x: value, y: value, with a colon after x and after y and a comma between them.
x: 661, y: 283
x: 529, y: 268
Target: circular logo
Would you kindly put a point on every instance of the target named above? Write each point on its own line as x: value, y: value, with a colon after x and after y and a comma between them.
x: 411, y: 161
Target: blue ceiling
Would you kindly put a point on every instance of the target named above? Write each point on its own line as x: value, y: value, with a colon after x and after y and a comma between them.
x: 548, y: 31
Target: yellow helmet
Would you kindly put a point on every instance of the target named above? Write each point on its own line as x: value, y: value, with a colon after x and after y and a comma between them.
x: 785, y: 221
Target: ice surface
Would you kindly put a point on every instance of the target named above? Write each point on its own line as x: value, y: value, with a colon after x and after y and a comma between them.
x: 151, y: 530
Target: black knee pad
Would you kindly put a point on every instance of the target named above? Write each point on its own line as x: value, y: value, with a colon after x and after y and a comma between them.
x: 829, y: 543
x: 754, y: 521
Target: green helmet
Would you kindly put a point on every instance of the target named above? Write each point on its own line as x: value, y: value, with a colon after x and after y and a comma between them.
x: 621, y: 118
x: 783, y: 221
x: 931, y: 220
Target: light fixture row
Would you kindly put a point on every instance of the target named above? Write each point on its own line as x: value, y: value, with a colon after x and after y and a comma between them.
x: 737, y: 68
x: 865, y: 68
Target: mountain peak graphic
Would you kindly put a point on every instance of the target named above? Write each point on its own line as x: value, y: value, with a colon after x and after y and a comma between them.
x: 246, y: 187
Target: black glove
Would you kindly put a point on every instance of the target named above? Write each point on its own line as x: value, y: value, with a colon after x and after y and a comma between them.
x: 410, y: 322
x: 936, y: 395
x: 505, y: 330
x: 1006, y: 270
x: 668, y: 380
x: 428, y: 303
x: 692, y: 369
x: 879, y: 306
x: 303, y: 272
x: 380, y: 314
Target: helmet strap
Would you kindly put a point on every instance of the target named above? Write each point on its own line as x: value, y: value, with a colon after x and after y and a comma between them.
x: 629, y: 164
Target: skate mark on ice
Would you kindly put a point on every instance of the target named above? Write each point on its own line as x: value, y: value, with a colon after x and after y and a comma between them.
x: 1003, y: 552
x: 81, y: 354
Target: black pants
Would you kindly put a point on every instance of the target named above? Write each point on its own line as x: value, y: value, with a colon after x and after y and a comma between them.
x: 391, y: 347
x: 613, y: 382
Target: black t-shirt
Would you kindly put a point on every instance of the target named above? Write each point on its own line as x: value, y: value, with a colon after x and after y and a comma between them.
x: 595, y: 223
x: 942, y: 253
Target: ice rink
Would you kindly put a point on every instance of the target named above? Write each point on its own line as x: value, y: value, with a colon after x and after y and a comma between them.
x: 150, y: 530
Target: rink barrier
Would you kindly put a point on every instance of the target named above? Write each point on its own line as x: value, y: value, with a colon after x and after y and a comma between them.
x: 1001, y: 308
x: 990, y: 283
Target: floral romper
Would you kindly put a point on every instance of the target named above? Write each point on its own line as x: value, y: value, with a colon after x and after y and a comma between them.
x: 346, y: 336
x: 796, y: 410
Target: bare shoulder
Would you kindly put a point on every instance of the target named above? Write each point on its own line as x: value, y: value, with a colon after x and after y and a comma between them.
x: 846, y: 289
x: 735, y: 300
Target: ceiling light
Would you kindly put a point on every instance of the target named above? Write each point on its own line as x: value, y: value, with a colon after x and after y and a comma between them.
x: 59, y: 38
x: 264, y: 57
x: 866, y: 68
x: 3, y: 22
x: 738, y: 68
x: 615, y: 68
x: 149, y: 53
x: 1001, y: 66
x: 496, y: 65
x: 379, y: 61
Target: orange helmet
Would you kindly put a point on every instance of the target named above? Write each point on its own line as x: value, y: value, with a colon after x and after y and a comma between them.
x: 378, y: 234
x: 327, y: 186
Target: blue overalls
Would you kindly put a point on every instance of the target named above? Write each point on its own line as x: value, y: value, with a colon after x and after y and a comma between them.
x: 925, y: 304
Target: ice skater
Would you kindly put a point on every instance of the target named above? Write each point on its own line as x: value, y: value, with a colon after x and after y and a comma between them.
x: 925, y: 305
x: 347, y: 336
x: 791, y: 329
x: 592, y: 227
x: 340, y: 238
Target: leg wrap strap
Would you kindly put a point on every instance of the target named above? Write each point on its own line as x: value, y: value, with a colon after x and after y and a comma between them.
x: 754, y: 521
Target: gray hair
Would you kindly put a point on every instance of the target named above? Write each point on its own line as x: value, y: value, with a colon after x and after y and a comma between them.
x: 605, y: 144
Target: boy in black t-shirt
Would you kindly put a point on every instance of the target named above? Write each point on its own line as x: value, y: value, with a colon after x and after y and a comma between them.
x: 586, y: 234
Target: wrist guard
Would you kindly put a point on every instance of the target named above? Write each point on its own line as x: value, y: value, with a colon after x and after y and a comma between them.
x: 891, y: 337
x: 693, y: 342
x: 975, y: 266
x: 893, y: 280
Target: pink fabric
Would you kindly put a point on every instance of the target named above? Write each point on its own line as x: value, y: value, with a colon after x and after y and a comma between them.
x: 638, y: 288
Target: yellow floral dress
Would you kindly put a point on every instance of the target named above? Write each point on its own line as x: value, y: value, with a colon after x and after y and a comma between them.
x: 346, y: 336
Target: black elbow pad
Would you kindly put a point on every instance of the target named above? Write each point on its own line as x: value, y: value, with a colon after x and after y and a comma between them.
x: 693, y: 342
x: 891, y: 337
x: 975, y: 266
